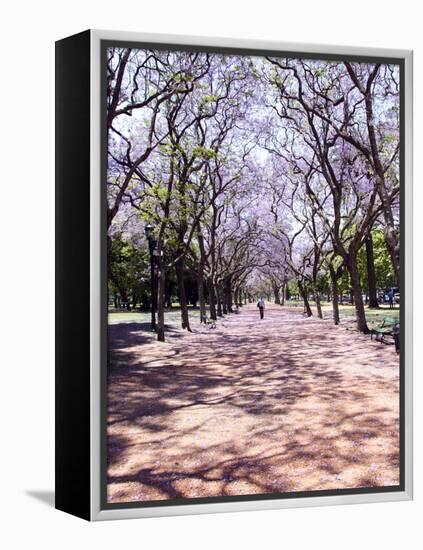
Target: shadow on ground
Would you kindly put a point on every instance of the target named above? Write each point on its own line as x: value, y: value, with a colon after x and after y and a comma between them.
x: 287, y: 405
x: 46, y: 497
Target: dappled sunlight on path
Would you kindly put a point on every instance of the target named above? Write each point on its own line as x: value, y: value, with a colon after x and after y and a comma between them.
x: 279, y: 405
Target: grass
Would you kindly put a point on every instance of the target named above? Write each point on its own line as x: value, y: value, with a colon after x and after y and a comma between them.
x: 374, y: 317
x: 347, y: 312
x: 172, y: 316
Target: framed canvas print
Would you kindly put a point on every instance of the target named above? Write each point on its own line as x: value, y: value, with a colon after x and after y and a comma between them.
x: 233, y: 275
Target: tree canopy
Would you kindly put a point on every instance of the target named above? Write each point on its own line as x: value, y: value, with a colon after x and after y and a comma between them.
x: 259, y: 175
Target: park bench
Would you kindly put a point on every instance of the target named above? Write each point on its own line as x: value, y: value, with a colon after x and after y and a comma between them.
x: 388, y: 328
x: 210, y: 322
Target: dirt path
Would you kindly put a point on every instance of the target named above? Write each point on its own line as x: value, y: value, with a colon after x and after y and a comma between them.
x: 279, y: 405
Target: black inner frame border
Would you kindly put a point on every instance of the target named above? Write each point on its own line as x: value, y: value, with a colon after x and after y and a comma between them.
x: 104, y: 352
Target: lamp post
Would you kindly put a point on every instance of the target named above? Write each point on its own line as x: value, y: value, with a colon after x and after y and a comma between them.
x: 149, y: 229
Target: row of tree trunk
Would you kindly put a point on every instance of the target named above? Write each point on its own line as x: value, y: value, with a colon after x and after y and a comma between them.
x: 223, y: 295
x: 356, y: 289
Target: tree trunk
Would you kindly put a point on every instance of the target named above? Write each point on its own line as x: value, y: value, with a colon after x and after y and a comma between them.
x: 283, y: 294
x: 236, y: 296
x: 161, y: 282
x: 124, y: 298
x: 357, y: 294
x: 179, y: 268
x: 318, y: 304
x: 392, y: 244
x: 201, y: 298
x: 224, y: 298
x: 391, y: 235
x: 371, y: 277
x: 335, y: 295
x: 200, y: 275
x: 305, y: 300
x: 228, y: 294
x: 277, y: 295
x: 168, y: 296
x: 219, y: 301
x: 212, y: 299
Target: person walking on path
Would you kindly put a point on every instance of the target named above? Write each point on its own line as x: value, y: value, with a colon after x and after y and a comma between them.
x: 260, y: 305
